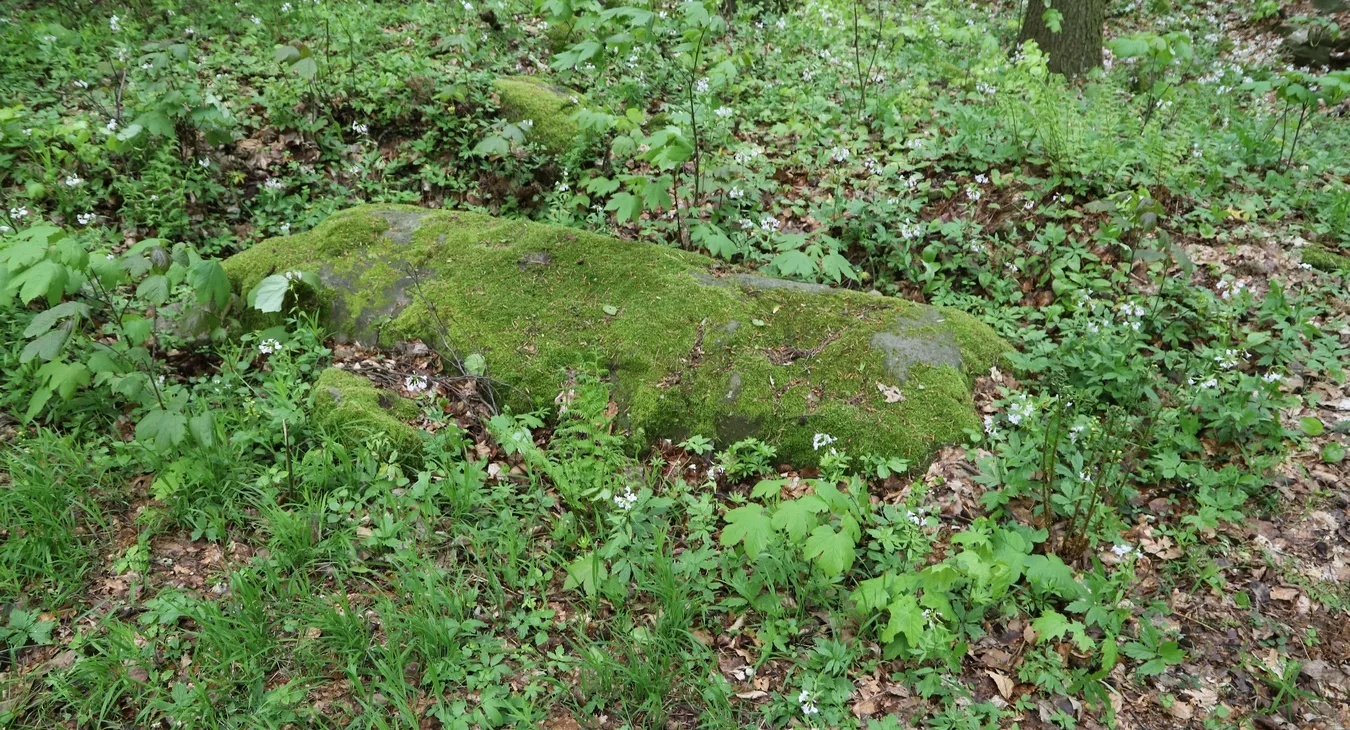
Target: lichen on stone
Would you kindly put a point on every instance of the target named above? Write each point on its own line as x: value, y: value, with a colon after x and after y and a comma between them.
x: 549, y: 109
x: 690, y: 349
x: 353, y: 410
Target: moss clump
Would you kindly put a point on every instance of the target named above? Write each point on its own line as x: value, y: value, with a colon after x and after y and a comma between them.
x: 1320, y: 258
x: 353, y: 410
x: 548, y: 107
x: 690, y: 349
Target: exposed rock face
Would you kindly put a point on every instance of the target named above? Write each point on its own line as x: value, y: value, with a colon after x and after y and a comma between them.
x: 690, y: 349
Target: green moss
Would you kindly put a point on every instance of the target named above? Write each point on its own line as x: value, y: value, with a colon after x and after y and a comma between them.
x: 690, y: 351
x: 549, y: 107
x: 1325, y: 260
x: 353, y: 410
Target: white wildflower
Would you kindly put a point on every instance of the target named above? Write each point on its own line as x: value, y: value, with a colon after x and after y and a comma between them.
x: 273, y: 184
x: 701, y: 86
x: 85, y: 219
x: 73, y: 181
x: 1122, y: 550
x: 269, y: 346
x: 285, y: 229
x: 769, y: 224
x: 723, y: 112
x: 255, y: 20
x: 735, y: 193
x: 416, y: 383
x: 1019, y: 410
x: 360, y: 128
x: 79, y: 84
x: 839, y: 154
x: 627, y: 500
x: 821, y: 440
x: 204, y: 162
x: 115, y: 23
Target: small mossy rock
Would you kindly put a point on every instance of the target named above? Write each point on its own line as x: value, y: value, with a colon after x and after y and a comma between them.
x: 548, y: 107
x: 690, y: 349
x: 1320, y: 258
x: 353, y: 410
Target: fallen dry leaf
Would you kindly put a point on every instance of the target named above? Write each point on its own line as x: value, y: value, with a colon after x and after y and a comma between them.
x: 1284, y: 594
x: 891, y: 393
x: 1004, y: 684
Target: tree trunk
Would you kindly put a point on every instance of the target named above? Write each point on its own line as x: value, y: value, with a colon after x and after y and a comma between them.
x: 1077, y: 47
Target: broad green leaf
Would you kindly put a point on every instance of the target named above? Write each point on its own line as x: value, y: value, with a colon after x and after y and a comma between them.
x: 493, y: 146
x: 655, y: 196
x: 476, y: 365
x: 156, y: 123
x: 748, y: 525
x: 48, y: 318
x: 714, y: 240
x: 64, y: 378
x: 305, y: 68
x: 1333, y: 452
x: 209, y: 280
x: 154, y: 289
x: 45, y: 347
x: 626, y: 206
x: 137, y: 329
x: 1049, y: 574
x: 797, y: 517
x: 44, y: 279
x: 906, y: 619
x: 1312, y: 426
x: 838, y: 268
x: 794, y: 263
x: 831, y: 550
x: 586, y: 572
x: 1051, y: 625
x: 165, y: 429
x: 270, y: 293
x: 203, y: 429
x: 873, y: 593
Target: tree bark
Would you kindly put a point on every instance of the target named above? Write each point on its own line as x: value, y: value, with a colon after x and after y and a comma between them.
x: 1077, y: 47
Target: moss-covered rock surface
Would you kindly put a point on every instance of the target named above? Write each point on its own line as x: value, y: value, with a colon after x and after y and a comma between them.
x: 1325, y: 260
x: 351, y: 409
x: 691, y: 349
x: 548, y: 107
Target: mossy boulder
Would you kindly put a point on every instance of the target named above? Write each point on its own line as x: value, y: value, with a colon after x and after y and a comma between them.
x: 548, y: 107
x: 1320, y: 258
x: 691, y: 349
x: 350, y: 408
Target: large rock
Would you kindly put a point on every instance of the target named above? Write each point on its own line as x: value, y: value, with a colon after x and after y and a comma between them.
x: 691, y: 349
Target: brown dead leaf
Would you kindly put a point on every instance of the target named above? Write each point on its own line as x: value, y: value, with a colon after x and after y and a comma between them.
x: 1003, y: 683
x: 891, y: 393
x: 1284, y: 593
x: 1181, y: 710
